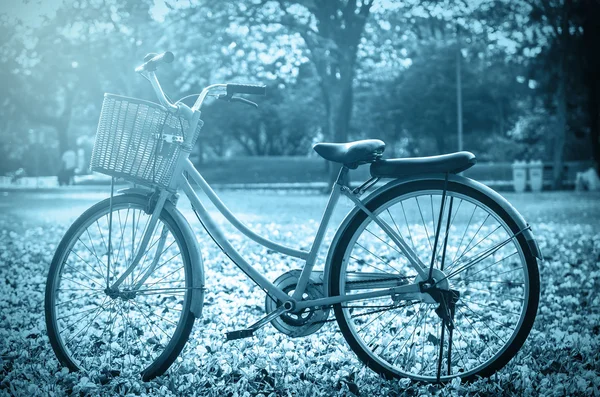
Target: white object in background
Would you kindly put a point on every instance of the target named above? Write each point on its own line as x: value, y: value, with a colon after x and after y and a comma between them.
x: 536, y: 175
x: 519, y: 175
x: 80, y: 160
x: 69, y: 159
x: 587, y: 180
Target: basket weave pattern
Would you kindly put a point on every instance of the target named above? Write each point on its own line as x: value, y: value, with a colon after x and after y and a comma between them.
x: 129, y: 141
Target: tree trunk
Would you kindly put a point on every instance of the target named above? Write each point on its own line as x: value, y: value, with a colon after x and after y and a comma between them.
x: 341, y: 99
x: 62, y: 131
x: 333, y: 48
x: 339, y: 120
x: 595, y: 125
x: 333, y: 169
x: 561, y: 100
x: 440, y: 143
x: 561, y: 126
x: 591, y: 36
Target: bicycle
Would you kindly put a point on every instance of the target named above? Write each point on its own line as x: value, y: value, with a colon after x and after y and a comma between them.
x: 430, y: 276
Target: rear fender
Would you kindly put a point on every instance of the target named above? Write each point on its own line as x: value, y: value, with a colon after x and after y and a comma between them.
x: 493, y: 195
x: 192, y: 244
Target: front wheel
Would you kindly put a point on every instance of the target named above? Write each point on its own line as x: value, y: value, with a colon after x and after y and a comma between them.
x: 142, y: 326
x: 483, y: 269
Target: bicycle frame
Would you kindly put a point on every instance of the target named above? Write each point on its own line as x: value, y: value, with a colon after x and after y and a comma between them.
x: 309, y: 257
x: 412, y: 290
x: 180, y: 181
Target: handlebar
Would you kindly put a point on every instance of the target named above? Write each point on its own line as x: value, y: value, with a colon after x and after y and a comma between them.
x: 151, y: 62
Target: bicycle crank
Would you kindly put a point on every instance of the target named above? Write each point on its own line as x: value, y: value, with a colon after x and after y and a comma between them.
x: 301, y: 322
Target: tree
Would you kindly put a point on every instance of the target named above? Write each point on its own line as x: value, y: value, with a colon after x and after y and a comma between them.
x: 419, y: 106
x: 544, y: 36
x: 588, y: 13
x: 66, y: 63
x: 331, y: 32
x: 557, y: 15
x: 416, y: 103
x: 283, y: 125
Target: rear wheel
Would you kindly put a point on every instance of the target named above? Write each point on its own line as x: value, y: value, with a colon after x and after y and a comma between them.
x: 142, y: 327
x: 482, y: 263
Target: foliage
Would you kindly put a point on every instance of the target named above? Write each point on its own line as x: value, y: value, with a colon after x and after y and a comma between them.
x: 554, y: 42
x: 285, y: 123
x: 336, y: 70
x: 59, y: 70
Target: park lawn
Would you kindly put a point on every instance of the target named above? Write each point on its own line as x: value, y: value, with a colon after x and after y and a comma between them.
x: 561, y: 356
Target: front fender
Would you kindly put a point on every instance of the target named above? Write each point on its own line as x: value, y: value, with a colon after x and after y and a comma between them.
x: 191, y: 243
x: 492, y: 194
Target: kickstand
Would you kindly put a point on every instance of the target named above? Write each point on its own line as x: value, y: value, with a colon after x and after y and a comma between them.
x: 248, y: 332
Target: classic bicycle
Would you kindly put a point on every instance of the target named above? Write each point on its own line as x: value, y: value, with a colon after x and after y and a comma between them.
x: 430, y: 276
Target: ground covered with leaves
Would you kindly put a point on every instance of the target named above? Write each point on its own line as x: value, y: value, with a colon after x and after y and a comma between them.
x: 560, y: 357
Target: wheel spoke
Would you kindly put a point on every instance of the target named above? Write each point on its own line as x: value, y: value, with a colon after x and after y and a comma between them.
x: 77, y: 299
x: 143, y: 259
x: 409, y: 233
x: 484, y: 323
x: 493, y: 264
x: 160, y: 279
x: 150, y: 323
x: 93, y: 252
x: 473, y: 247
x: 378, y: 257
x: 464, y: 234
x: 363, y: 262
x: 176, y: 289
x: 488, y: 306
x: 424, y: 226
x: 375, y: 319
x: 517, y: 298
x: 412, y: 334
x: 479, y: 257
x: 122, y: 234
x: 81, y: 285
x: 395, y: 224
x: 83, y: 274
x: 95, y: 313
x: 142, y: 272
x: 460, y: 356
x: 385, y: 242
x: 472, y: 238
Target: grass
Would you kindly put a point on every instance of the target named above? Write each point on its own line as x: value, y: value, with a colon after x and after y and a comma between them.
x: 560, y: 357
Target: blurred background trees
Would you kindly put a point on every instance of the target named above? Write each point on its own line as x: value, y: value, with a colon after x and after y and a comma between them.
x: 518, y: 78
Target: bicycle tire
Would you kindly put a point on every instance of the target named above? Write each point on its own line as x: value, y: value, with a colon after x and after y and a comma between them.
x: 404, y: 334
x: 149, y: 357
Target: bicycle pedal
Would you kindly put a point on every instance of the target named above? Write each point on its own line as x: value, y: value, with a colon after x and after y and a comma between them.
x: 240, y: 334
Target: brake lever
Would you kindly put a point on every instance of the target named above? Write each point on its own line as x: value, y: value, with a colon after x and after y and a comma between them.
x: 245, y: 101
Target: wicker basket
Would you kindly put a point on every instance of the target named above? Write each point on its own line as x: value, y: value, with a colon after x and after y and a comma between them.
x: 138, y: 140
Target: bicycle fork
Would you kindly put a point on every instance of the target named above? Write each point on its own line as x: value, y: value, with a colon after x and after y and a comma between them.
x: 160, y: 202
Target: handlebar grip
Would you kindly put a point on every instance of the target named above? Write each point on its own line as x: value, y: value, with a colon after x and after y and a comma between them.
x: 152, y: 59
x: 165, y: 57
x: 246, y: 89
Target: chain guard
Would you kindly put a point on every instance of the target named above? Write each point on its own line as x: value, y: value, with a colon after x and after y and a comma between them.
x: 303, y: 322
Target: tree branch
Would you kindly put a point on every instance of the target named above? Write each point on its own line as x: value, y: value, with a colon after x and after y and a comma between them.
x: 549, y: 13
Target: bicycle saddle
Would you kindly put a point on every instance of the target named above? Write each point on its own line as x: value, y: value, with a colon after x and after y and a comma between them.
x: 395, y: 168
x: 351, y: 154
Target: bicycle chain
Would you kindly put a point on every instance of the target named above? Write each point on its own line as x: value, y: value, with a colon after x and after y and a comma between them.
x: 360, y: 314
